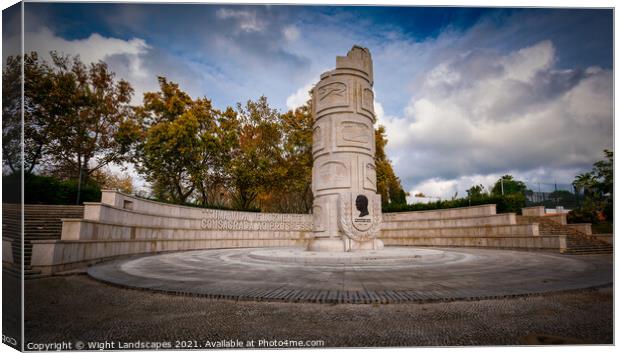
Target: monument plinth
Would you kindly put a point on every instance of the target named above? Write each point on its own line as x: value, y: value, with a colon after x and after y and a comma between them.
x: 346, y: 208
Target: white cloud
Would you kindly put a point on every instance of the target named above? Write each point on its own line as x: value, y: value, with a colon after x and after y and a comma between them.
x: 444, y: 189
x: 442, y: 75
x: 300, y: 97
x: 539, y: 179
x: 91, y: 49
x: 486, y: 114
x: 248, y: 21
x: 395, y: 128
x: 126, y: 58
x: 525, y: 63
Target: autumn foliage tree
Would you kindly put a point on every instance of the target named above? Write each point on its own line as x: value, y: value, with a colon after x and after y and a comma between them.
x: 36, y: 116
x: 109, y: 180
x: 388, y: 184
x: 178, y: 143
x: 84, y: 130
x: 256, y: 164
x: 293, y: 190
x: 72, y: 115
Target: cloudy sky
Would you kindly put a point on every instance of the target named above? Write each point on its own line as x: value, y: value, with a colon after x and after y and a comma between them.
x: 466, y: 94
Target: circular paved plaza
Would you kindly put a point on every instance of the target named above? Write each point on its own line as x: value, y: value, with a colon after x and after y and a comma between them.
x: 396, y: 274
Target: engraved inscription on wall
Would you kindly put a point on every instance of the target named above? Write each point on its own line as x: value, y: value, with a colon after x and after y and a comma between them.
x: 230, y: 220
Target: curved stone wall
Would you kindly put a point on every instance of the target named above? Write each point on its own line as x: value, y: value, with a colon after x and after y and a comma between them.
x: 122, y: 225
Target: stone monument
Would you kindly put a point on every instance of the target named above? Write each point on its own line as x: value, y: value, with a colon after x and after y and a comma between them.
x: 346, y: 208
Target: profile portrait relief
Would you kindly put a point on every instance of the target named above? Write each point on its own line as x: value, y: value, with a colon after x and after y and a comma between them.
x: 361, y: 203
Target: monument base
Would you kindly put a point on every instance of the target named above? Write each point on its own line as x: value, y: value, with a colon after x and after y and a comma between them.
x: 372, y: 244
x: 343, y: 245
x: 326, y: 245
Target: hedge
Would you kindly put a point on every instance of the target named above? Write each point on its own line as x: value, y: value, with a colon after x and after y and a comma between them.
x: 507, y: 203
x: 48, y: 190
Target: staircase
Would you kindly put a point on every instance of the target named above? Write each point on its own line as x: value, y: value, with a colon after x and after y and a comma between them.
x: 577, y: 243
x: 41, y: 222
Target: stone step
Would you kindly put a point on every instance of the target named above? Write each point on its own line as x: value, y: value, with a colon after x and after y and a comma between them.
x: 55, y: 218
x: 588, y: 252
x: 592, y: 246
x: 582, y: 242
x: 41, y: 222
x: 477, y: 221
x: 29, y: 273
x: 48, y: 224
x: 473, y: 231
x: 43, y: 230
x: 40, y: 214
x: 589, y: 246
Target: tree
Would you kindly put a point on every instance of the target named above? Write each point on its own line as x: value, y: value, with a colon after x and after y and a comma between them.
x: 597, y: 187
x: 109, y: 180
x: 72, y: 113
x: 476, y: 191
x: 294, y: 193
x: 38, y: 114
x: 586, y: 183
x: 388, y: 184
x: 177, y: 143
x: 256, y: 165
x: 86, y: 107
x: 506, y: 185
x: 212, y: 178
x: 11, y: 115
x: 604, y: 173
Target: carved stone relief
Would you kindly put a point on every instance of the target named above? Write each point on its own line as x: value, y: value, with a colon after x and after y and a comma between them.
x: 332, y: 95
x: 354, y: 131
x: 318, y: 138
x: 368, y: 100
x: 370, y: 176
x: 360, y: 215
x: 333, y: 174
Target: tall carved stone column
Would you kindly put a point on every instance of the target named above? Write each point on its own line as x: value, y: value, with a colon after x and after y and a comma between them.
x: 347, y: 208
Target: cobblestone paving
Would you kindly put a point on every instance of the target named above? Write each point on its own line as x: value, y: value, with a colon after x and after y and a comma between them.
x: 426, y: 275
x: 79, y: 308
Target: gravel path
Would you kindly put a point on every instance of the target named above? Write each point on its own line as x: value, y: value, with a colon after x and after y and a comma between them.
x: 77, y: 307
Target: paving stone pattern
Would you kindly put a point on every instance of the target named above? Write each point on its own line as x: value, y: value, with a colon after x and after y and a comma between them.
x: 435, y: 275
